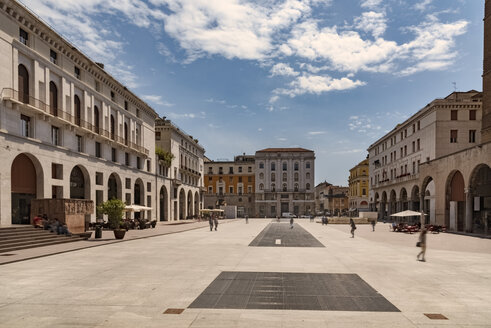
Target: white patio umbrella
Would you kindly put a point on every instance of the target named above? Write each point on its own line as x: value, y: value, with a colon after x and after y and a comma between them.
x: 408, y: 213
x: 136, y: 208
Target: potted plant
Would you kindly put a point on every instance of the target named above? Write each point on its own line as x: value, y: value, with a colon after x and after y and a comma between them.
x: 114, y: 209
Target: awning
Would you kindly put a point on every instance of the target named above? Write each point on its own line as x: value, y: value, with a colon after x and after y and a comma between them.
x: 408, y: 213
x: 136, y: 208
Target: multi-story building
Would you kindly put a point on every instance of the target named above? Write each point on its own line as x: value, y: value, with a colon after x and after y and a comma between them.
x: 181, y: 197
x: 68, y: 129
x: 442, y: 127
x: 330, y: 199
x: 284, y: 181
x: 358, y: 187
x: 231, y: 183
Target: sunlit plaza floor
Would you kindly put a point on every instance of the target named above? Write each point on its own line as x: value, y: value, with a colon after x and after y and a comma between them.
x: 132, y: 283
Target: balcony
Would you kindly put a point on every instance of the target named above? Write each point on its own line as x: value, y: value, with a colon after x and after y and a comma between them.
x: 40, y: 107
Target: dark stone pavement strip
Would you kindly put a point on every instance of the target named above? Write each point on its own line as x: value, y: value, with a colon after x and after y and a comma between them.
x: 296, y: 237
x: 292, y: 291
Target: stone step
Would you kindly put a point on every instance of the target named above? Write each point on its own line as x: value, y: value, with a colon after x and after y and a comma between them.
x: 38, y: 236
x: 23, y: 233
x: 54, y: 241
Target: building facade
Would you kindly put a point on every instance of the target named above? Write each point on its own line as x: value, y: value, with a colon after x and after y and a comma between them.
x: 231, y: 183
x: 331, y: 200
x: 358, y: 187
x: 442, y: 127
x: 284, y: 181
x: 68, y: 129
x: 181, y: 193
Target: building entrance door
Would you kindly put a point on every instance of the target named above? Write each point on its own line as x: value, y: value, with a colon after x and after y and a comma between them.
x: 284, y: 208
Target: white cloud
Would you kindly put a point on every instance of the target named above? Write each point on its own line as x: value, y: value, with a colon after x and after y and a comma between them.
x: 281, y: 139
x: 372, y: 22
x: 421, y: 6
x: 282, y: 69
x: 371, y: 4
x: 316, y: 133
x: 175, y: 116
x: 156, y: 100
x: 217, y: 101
x: 364, y: 125
x: 124, y: 73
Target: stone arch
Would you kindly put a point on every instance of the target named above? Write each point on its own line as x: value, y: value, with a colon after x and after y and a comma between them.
x: 79, y: 183
x: 404, y: 205
x: 114, y: 187
x: 26, y: 184
x: 427, y: 199
x: 479, y: 198
x: 23, y: 83
x: 455, y: 201
x: 139, y: 192
x: 196, y: 203
x: 383, y: 206
x: 189, y: 204
x: 182, y: 204
x: 376, y: 200
x: 392, y: 202
x: 415, y: 198
x: 163, y: 204
x: 53, y: 99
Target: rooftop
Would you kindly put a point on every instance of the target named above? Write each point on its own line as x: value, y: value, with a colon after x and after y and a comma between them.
x: 284, y: 150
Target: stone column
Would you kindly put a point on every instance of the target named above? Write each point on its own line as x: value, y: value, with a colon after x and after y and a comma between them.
x: 468, y: 210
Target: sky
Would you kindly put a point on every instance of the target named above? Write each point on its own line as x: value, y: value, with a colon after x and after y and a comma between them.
x: 332, y: 76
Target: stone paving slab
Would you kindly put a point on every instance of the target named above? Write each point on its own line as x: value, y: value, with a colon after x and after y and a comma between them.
x: 282, y: 235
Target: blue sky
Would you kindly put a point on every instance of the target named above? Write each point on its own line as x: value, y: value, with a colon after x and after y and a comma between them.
x: 328, y: 75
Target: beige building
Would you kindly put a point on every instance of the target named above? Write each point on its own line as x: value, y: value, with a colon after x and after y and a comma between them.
x: 284, y: 181
x: 68, y: 129
x: 331, y: 200
x: 181, y: 196
x: 231, y: 183
x: 358, y: 187
x: 442, y: 127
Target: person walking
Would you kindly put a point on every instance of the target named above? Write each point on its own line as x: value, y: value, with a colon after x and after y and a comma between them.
x: 210, y: 221
x: 353, y: 227
x: 247, y: 219
x: 291, y: 223
x: 324, y: 219
x: 373, y: 225
x: 215, y: 221
x: 422, y: 244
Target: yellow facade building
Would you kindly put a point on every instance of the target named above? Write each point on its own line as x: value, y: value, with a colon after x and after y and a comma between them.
x: 358, y: 187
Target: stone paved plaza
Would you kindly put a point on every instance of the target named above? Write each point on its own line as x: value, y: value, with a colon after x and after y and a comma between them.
x: 132, y: 283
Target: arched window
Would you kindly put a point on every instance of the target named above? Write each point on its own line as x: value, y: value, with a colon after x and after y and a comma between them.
x: 261, y: 175
x: 23, y: 79
x: 113, y: 128
x: 125, y: 134
x: 307, y: 165
x: 96, y: 119
x: 273, y: 166
x: 284, y: 187
x: 273, y: 187
x: 77, y: 110
x: 261, y: 186
x: 284, y: 166
x: 296, y: 176
x: 296, y: 187
x: 307, y: 175
x: 295, y: 167
x: 284, y: 177
x: 307, y: 186
x: 53, y: 98
x: 261, y: 165
x: 273, y: 177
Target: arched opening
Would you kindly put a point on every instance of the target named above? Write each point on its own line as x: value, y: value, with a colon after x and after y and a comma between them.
x: 480, y: 195
x: 189, y: 205
x: 182, y: 205
x: 415, y: 199
x: 78, y: 113
x: 163, y: 204
x: 26, y: 183
x: 196, y: 203
x: 138, y: 196
x: 114, y: 187
x: 455, y: 202
x: 376, y: 205
x: 383, y: 206
x: 53, y: 99
x: 23, y: 79
x: 427, y: 195
x: 96, y: 119
x: 78, y: 188
x: 284, y: 187
x: 273, y: 187
x: 392, y: 202
x: 113, y: 127
x: 403, y: 200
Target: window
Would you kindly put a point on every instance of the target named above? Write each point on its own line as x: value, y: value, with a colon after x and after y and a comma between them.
x: 210, y: 189
x: 261, y: 186
x: 261, y: 176
x: 249, y: 179
x: 405, y: 133
x: 307, y: 175
x: 53, y: 56
x: 127, y: 183
x: 126, y: 105
x: 149, y: 186
x: 273, y: 166
x: 307, y: 165
x: 414, y: 167
x: 78, y: 113
x: 261, y: 165
x: 113, y: 154
x: 230, y: 170
x: 249, y: 189
x: 55, y: 136
x: 284, y: 187
x: 273, y: 177
x: 138, y: 113
x: 418, y: 145
x: 96, y: 119
x: 113, y: 96
x: 126, y: 159
x: 284, y: 178
x: 295, y: 166
x: 56, y: 171
x: 149, y: 168
x: 97, y: 149
x: 472, y: 115
x: 307, y: 186
x: 453, y: 115
x: 284, y: 166
x: 113, y: 127
x: 240, y: 169
x: 77, y: 72
x: 414, y: 146
x: 23, y: 36
x: 249, y: 169
x: 273, y: 187
x: 414, y: 128
x: 240, y: 179
x: 25, y: 125
x: 405, y: 150
x: 80, y: 144
x: 138, y: 163
x: 97, y: 86
x: 99, y: 178
x: 453, y: 136
x: 419, y: 126
x: 472, y: 136
x: 295, y: 176
x: 363, y: 192
x: 295, y: 188
x: 231, y: 190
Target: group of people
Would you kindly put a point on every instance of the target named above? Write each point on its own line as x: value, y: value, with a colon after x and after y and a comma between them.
x: 213, y: 221
x: 53, y: 225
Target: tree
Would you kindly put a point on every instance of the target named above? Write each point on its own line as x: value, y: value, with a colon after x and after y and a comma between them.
x: 114, y: 209
x: 164, y: 156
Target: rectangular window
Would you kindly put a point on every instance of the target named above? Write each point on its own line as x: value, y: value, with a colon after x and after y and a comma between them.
x: 138, y: 163
x: 113, y: 96
x: 231, y: 190
x: 453, y: 136
x: 307, y: 165
x: 249, y: 179
x: 23, y: 36
x: 419, y: 126
x: 25, y: 125
x: 149, y: 186
x: 414, y: 128
x: 240, y: 190
x: 405, y: 150
x: 80, y: 144
x: 113, y: 154
x: 127, y: 198
x: 99, y: 178
x: 240, y: 169
x: 453, y: 115
x: 472, y: 115
x: 472, y: 136
x: 240, y: 179
x: 418, y: 165
x: 127, y: 183
x: 230, y: 170
x: 414, y: 146
x: 77, y: 72
x: 148, y: 165
x: 261, y: 165
x: 157, y: 135
x: 55, y: 135
x: 97, y: 149
x: 405, y: 133
x: 249, y: 189
x: 418, y: 145
x: 56, y: 171
x: 138, y: 114
x: 284, y: 166
x: 126, y: 159
x: 53, y: 57
x: 126, y: 105
x: 97, y: 86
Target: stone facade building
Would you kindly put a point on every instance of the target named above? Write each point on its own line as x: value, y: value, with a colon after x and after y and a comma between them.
x: 68, y: 129
x: 442, y: 127
x: 231, y: 183
x: 182, y: 196
x: 358, y: 187
x: 331, y: 200
x: 284, y: 181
